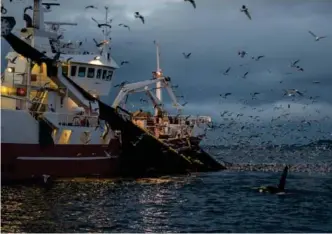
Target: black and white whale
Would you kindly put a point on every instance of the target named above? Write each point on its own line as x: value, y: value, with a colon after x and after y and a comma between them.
x: 276, y: 189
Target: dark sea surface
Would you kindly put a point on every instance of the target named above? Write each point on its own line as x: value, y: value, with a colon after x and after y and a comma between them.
x: 224, y: 201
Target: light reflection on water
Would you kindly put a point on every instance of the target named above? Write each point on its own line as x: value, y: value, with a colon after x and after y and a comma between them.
x: 206, y: 202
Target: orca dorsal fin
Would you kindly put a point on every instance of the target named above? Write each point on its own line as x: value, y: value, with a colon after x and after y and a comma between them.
x: 283, y: 177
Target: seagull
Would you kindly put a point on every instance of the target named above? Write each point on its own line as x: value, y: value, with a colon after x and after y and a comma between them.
x: 225, y: 95
x: 192, y: 2
x: 121, y: 84
x: 245, y: 10
x: 91, y: 6
x: 316, y: 82
x: 253, y: 95
x: 101, y: 25
x: 186, y: 56
x: 242, y: 53
x: 300, y: 69
x: 138, y: 139
x: 3, y: 10
x: 124, y: 62
x: 138, y: 15
x: 125, y: 26
x: 27, y: 8
x: 13, y: 59
x: 226, y: 72
x: 294, y: 63
x: 245, y: 74
x: 259, y: 57
x: 45, y: 178
x: 317, y: 38
x: 292, y: 92
x: 28, y: 37
x: 100, y: 43
x: 143, y: 100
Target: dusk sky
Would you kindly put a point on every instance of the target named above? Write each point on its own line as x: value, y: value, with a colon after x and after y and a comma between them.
x: 214, y: 32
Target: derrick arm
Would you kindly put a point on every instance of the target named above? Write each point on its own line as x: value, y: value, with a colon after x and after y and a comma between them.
x: 173, y: 97
x: 143, y: 87
x: 131, y: 88
x: 154, y: 100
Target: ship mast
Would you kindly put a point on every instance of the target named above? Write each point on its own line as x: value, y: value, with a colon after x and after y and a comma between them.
x: 158, y: 75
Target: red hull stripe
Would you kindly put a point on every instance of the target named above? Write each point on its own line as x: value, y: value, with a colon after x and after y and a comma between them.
x: 65, y: 158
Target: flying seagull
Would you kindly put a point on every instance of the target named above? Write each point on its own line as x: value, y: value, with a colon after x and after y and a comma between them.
x: 242, y: 53
x: 91, y: 6
x: 186, y: 56
x: 3, y: 10
x: 294, y: 63
x: 121, y: 84
x: 124, y: 62
x: 259, y: 57
x: 317, y: 38
x: 13, y: 59
x: 100, y: 43
x: 226, y: 72
x: 245, y: 74
x: 292, y: 92
x: 253, y: 95
x: 138, y: 15
x: 246, y: 11
x: 27, y: 8
x: 192, y: 2
x: 125, y: 26
x: 225, y: 95
x: 101, y: 25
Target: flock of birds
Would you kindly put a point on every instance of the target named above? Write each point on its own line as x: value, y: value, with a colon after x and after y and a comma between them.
x: 231, y: 124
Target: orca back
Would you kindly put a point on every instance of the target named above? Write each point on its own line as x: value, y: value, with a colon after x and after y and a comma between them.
x: 283, y: 177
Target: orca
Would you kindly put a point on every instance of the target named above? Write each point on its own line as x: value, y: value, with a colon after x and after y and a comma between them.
x: 280, y: 189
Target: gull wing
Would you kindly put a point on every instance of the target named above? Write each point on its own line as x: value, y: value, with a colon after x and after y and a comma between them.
x: 314, y: 35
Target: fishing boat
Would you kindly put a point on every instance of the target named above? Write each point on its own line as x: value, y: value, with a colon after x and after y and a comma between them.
x: 54, y: 123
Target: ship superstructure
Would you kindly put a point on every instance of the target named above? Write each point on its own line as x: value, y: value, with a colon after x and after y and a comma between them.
x: 46, y: 123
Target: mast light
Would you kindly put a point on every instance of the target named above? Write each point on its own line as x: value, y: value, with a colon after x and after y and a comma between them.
x: 11, y: 69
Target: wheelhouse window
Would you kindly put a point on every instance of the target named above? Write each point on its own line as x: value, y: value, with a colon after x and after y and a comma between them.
x: 104, y: 74
x: 99, y: 71
x: 73, y: 70
x: 91, y: 72
x: 81, y: 71
x: 109, y: 75
x: 64, y: 69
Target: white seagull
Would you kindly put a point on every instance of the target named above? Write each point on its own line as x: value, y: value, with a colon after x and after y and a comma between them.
x: 317, y: 38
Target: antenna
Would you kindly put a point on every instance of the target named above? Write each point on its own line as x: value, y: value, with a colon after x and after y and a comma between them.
x: 158, y: 75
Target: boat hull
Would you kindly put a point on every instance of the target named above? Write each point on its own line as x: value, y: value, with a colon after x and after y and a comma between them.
x: 26, y: 161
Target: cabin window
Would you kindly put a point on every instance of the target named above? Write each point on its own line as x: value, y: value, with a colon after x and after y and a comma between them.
x: 65, y: 70
x: 99, y: 73
x: 73, y: 71
x: 91, y: 72
x: 109, y: 75
x: 81, y: 71
x: 104, y: 74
